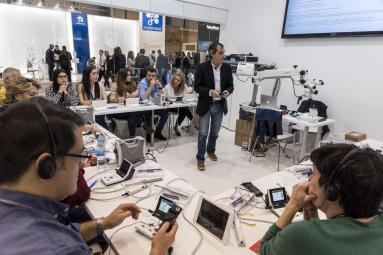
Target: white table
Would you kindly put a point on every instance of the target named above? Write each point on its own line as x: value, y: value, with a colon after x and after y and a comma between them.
x: 128, y: 241
x: 308, y: 125
x: 114, y: 108
x: 294, y: 120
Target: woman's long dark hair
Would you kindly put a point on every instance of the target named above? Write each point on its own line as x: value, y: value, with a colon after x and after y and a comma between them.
x: 86, y: 84
x: 55, y: 84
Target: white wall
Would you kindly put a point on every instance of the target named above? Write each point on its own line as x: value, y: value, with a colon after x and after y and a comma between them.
x: 27, y: 30
x: 151, y: 40
x: 209, y: 10
x: 350, y: 67
x: 107, y: 33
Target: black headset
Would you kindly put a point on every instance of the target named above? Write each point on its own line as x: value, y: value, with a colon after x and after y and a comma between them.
x: 331, y: 192
x: 47, y: 166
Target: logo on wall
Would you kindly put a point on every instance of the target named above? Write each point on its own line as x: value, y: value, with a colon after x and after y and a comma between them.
x: 80, y: 20
x: 212, y: 27
x: 151, y: 22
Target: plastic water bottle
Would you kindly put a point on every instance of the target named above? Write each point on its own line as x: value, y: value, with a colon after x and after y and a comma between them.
x: 100, y: 150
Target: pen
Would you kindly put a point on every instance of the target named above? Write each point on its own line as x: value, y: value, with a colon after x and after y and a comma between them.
x: 93, y: 183
x: 149, y: 170
x: 170, y: 196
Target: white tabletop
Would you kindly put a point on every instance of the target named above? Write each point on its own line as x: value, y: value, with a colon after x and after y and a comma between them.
x: 114, y: 108
x: 128, y: 241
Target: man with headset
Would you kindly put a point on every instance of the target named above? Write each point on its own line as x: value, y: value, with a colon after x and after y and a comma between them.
x: 213, y: 83
x: 40, y: 157
x: 346, y: 185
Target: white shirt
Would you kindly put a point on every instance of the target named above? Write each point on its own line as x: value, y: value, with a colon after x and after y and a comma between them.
x: 217, y: 79
x: 169, y: 91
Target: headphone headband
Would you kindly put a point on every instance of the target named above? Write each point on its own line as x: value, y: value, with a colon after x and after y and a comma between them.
x: 331, y: 192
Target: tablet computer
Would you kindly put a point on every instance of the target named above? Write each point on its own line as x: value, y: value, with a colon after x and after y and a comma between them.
x: 216, y: 219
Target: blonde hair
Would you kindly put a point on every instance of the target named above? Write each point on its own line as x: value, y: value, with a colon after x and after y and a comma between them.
x: 18, y: 87
x: 181, y: 87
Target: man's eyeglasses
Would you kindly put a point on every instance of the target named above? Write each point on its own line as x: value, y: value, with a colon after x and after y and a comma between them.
x: 84, y: 157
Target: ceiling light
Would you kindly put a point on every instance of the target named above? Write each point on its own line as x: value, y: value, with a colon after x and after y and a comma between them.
x: 20, y: 2
x: 57, y: 7
x: 40, y: 4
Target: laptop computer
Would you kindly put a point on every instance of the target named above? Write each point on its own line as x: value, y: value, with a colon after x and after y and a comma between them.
x: 268, y: 101
x: 99, y: 103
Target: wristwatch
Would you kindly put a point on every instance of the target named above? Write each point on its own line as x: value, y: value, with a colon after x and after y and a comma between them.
x: 100, y: 226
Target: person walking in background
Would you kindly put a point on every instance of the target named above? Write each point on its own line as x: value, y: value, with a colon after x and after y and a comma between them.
x: 162, y: 65
x: 152, y: 58
x: 65, y: 59
x: 213, y: 83
x: 119, y: 60
x: 142, y: 61
x: 130, y: 60
x: 56, y: 56
x: 101, y: 65
x: 50, y: 60
x: 108, y: 67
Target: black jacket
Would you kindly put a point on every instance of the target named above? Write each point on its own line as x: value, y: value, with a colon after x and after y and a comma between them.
x: 204, y: 82
x: 119, y: 61
x: 49, y: 57
x: 142, y: 61
x: 320, y: 106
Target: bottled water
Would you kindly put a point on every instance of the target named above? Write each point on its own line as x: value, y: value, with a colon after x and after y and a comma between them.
x: 100, y: 150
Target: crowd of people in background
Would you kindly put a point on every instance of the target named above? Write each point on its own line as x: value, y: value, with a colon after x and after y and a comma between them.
x: 124, y: 76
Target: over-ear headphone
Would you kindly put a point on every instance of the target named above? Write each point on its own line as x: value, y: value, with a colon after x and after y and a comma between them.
x: 47, y: 166
x: 331, y: 192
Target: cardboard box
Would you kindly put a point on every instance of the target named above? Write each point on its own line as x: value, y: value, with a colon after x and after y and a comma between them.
x: 242, y: 140
x: 242, y: 132
x: 355, y: 136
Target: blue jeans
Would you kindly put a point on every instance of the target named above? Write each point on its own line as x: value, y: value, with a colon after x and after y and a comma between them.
x: 213, y: 116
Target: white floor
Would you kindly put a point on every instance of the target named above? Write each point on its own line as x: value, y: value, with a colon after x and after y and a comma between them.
x: 232, y: 168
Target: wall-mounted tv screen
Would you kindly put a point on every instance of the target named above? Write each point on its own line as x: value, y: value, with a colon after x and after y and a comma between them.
x: 329, y: 18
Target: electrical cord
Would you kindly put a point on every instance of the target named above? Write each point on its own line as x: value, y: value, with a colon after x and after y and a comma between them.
x: 115, y: 232
x: 240, y: 79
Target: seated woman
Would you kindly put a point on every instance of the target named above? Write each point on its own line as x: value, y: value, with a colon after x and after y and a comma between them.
x: 346, y: 185
x: 124, y: 87
x: 90, y: 89
x: 61, y: 92
x: 177, y: 88
x: 21, y: 89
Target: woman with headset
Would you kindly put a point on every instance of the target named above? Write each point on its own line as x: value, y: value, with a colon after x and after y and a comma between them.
x: 346, y: 185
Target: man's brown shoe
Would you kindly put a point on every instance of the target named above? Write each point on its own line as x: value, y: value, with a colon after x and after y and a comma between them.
x: 212, y: 156
x: 148, y: 130
x: 201, y: 165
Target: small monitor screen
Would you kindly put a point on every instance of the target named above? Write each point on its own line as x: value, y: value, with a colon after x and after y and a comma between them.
x: 278, y: 195
x: 124, y: 168
x: 212, y: 218
x: 251, y: 59
x: 165, y: 206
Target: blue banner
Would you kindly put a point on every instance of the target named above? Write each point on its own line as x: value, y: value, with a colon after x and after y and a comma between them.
x: 151, y: 22
x: 80, y: 39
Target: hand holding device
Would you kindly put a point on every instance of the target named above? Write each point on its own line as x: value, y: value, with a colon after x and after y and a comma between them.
x: 214, y: 93
x: 225, y: 93
x: 167, y: 211
x: 162, y: 240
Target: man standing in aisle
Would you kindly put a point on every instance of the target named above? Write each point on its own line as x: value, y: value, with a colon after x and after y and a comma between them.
x: 213, y: 83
